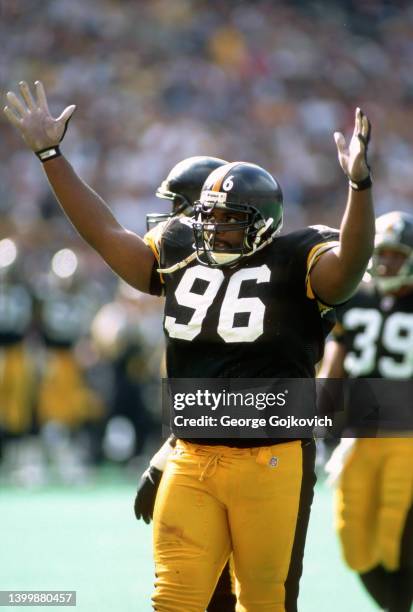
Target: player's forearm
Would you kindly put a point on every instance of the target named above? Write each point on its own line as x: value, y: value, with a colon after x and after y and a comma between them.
x: 356, y: 239
x: 84, y: 207
x: 338, y: 272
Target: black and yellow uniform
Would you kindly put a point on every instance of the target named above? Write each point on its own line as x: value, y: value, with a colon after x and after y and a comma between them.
x: 64, y: 395
x: 374, y: 515
x: 16, y: 367
x: 280, y: 319
x: 260, y: 319
x: 377, y: 332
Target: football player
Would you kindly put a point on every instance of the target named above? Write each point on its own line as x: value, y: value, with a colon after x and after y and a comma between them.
x: 66, y: 306
x: 68, y: 409
x: 374, y: 499
x: 17, y: 376
x: 241, y: 301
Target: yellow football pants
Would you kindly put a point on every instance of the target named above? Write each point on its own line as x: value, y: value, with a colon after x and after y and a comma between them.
x: 252, y: 502
x: 63, y: 395
x: 16, y: 389
x: 374, y: 495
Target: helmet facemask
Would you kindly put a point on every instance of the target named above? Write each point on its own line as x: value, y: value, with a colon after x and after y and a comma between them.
x: 404, y: 275
x: 182, y: 187
x: 394, y: 232
x: 210, y: 236
x: 180, y: 206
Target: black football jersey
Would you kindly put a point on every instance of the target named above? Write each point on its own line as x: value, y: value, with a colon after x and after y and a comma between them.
x: 377, y: 332
x: 249, y: 321
x: 254, y: 320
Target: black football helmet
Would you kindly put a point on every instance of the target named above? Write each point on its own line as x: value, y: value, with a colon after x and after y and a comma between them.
x: 182, y: 187
x: 394, y: 230
x: 253, y: 196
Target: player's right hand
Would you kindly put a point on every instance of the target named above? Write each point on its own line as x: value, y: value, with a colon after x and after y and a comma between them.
x: 146, y: 493
x: 31, y: 116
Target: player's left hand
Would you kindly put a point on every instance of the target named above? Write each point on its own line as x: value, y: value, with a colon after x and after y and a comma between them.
x: 353, y: 159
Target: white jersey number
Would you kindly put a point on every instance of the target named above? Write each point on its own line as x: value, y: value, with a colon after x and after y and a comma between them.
x: 186, y: 297
x: 396, y: 337
x: 231, y: 305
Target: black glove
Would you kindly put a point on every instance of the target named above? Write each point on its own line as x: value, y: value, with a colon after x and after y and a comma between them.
x: 146, y: 493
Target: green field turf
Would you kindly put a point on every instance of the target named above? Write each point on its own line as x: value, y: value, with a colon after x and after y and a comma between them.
x: 86, y: 539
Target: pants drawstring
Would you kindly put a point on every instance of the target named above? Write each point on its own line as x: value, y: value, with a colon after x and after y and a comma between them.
x: 210, y: 467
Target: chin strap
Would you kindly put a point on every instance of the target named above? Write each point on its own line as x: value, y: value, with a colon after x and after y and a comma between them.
x: 265, y: 227
x: 179, y: 265
x: 255, y: 248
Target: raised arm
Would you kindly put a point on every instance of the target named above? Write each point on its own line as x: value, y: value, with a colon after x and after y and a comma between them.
x: 338, y: 272
x: 125, y: 252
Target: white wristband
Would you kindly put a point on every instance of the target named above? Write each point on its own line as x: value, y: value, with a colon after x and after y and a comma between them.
x: 49, y: 153
x: 160, y: 458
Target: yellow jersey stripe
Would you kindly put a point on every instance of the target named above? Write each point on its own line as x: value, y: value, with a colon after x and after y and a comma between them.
x: 313, y: 256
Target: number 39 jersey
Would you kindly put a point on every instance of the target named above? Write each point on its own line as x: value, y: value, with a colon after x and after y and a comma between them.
x: 377, y: 332
x: 258, y: 319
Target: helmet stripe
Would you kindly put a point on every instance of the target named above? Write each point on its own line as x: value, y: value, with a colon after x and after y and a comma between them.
x: 227, y: 169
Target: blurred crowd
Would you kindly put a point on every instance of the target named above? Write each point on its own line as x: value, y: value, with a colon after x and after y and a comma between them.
x: 266, y: 81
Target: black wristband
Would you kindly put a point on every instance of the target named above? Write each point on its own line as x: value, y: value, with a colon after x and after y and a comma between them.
x: 361, y: 185
x: 50, y: 153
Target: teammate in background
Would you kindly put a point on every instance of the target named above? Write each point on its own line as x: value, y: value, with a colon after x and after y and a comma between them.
x: 126, y: 335
x: 17, y: 388
x: 374, y: 500
x: 66, y: 406
x: 212, y: 497
x: 182, y: 187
